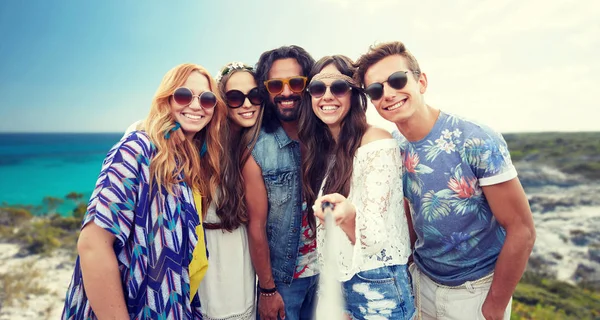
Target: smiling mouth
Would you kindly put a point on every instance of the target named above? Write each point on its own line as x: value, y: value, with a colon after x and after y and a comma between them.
x: 192, y: 117
x: 287, y: 103
x: 396, y: 106
x: 329, y: 109
x: 247, y: 115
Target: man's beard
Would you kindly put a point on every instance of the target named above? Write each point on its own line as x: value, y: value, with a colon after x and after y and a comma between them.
x: 291, y: 114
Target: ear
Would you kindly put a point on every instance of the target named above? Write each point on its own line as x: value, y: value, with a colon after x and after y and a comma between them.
x: 423, y: 83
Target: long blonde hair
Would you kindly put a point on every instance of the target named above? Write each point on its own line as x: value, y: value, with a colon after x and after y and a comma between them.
x: 176, y: 156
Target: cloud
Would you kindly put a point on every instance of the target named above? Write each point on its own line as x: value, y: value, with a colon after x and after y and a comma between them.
x: 586, y: 38
x: 514, y: 65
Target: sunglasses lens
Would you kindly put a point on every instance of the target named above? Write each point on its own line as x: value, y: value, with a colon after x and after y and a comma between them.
x: 317, y: 89
x: 235, y: 98
x: 274, y: 86
x: 183, y: 96
x: 297, y: 84
x: 375, y: 91
x: 254, y: 97
x: 339, y: 88
x: 397, y: 80
x: 208, y: 100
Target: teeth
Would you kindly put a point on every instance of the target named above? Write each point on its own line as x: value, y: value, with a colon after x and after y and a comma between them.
x: 328, y: 108
x: 191, y: 116
x: 396, y: 106
x: 287, y: 103
x: 247, y: 114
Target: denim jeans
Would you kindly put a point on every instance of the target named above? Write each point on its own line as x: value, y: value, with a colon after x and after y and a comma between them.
x: 299, y: 298
x: 382, y: 293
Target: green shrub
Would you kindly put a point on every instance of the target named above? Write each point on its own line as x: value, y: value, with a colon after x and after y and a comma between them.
x: 572, y: 152
x: 537, y: 297
x: 80, y: 211
x: 65, y: 223
x: 51, y: 204
x: 13, y: 217
x: 46, y: 234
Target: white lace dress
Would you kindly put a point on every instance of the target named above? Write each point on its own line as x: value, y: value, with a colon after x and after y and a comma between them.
x: 382, y: 237
x: 228, y: 290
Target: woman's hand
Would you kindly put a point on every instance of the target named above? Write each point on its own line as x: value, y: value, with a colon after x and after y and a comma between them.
x: 344, y: 213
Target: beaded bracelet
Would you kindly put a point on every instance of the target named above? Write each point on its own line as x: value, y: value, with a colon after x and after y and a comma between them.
x: 263, y: 290
x: 268, y: 294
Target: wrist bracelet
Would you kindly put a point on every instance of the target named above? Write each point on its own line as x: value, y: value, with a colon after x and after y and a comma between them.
x: 267, y: 294
x: 263, y: 290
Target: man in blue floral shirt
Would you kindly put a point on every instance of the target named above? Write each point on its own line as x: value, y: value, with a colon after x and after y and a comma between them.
x: 474, y: 228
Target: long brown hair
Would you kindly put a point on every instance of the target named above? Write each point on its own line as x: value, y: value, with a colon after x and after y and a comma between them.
x: 231, y: 208
x: 177, y: 156
x: 320, y: 148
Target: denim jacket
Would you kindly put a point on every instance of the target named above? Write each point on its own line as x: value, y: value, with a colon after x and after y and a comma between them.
x: 279, y: 158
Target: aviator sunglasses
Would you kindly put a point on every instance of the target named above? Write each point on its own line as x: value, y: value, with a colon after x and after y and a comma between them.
x: 296, y: 84
x: 338, y: 88
x: 184, y: 97
x: 236, y: 98
x: 396, y: 80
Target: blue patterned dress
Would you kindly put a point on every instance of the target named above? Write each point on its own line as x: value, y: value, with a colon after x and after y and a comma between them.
x: 155, y: 236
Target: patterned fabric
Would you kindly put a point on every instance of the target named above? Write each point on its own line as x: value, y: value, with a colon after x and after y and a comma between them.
x: 306, y: 263
x: 382, y: 237
x: 155, y: 236
x: 458, y: 238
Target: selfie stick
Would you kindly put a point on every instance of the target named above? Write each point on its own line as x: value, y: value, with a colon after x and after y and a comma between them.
x: 330, y: 305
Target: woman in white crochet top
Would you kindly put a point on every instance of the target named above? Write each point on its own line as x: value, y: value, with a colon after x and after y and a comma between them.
x: 358, y: 168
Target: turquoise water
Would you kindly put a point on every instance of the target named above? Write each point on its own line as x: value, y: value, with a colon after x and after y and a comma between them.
x: 36, y: 165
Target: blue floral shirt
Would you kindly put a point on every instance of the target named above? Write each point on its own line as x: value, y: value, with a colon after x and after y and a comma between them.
x: 458, y: 238
x: 155, y: 236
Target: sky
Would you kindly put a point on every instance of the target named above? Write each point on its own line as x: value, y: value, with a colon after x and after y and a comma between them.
x: 93, y: 66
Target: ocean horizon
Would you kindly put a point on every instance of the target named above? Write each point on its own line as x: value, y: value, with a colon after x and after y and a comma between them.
x: 38, y: 165
x: 35, y: 165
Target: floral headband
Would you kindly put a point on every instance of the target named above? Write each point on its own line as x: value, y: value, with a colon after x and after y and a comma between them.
x: 228, y: 68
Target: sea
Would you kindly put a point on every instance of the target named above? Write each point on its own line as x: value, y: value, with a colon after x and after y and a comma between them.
x: 38, y: 165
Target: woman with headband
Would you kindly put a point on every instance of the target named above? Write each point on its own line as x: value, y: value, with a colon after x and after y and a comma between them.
x: 229, y: 289
x: 357, y: 168
x: 141, y: 249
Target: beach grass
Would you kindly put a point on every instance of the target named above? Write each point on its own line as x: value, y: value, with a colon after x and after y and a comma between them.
x: 21, y: 282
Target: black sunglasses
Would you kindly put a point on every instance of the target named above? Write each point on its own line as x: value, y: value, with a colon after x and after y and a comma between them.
x: 184, y: 96
x: 396, y: 80
x: 236, y: 98
x: 338, y: 88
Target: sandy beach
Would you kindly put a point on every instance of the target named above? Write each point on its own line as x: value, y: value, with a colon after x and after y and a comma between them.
x: 44, y: 283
